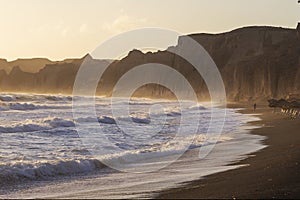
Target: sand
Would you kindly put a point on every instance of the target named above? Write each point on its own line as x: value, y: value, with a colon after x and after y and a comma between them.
x: 273, y: 172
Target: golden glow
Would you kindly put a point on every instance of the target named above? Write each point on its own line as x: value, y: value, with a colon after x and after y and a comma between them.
x: 58, y: 29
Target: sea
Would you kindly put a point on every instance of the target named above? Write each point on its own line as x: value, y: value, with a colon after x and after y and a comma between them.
x: 47, y: 151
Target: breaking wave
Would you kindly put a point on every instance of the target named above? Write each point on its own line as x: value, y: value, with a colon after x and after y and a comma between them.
x: 111, y: 120
x: 7, y: 98
x: 37, y: 125
x: 52, y: 169
x: 27, y: 97
x: 46, y: 170
x: 28, y: 106
x: 59, y: 98
x: 197, y: 106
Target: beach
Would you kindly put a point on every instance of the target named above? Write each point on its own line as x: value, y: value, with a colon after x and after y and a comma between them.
x: 134, y: 100
x: 272, y: 173
x: 51, y: 159
x: 255, y: 157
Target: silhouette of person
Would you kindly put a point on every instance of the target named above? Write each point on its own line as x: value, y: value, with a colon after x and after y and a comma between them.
x: 254, y: 107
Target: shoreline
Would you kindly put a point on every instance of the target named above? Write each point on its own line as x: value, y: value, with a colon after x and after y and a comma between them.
x: 36, y: 190
x: 272, y: 173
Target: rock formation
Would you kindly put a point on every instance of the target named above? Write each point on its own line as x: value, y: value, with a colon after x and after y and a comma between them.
x: 290, y: 107
x: 27, y: 65
x: 256, y: 63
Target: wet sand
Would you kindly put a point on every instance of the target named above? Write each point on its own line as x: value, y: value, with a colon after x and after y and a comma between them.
x: 273, y: 172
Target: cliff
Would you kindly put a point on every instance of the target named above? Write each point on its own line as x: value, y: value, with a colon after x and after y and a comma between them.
x: 256, y: 63
x: 32, y: 65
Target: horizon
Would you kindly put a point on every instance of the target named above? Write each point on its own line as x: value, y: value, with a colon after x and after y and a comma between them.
x: 60, y: 32
x: 88, y: 53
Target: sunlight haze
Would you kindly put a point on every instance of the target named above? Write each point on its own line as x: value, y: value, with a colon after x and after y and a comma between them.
x: 58, y: 29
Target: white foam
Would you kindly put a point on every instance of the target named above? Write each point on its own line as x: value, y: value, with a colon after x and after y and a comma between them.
x: 37, y: 125
x: 197, y: 106
x: 173, y: 113
x: 7, y: 98
x: 57, y: 122
x: 44, y: 170
x: 140, y: 103
x: 28, y: 106
x: 58, y: 98
x: 106, y: 120
x: 111, y: 120
x: 29, y: 97
x: 17, y: 128
x: 22, y: 106
x: 27, y: 141
x: 136, y: 118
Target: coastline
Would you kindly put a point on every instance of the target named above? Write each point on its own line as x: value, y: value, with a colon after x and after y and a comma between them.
x: 188, y: 168
x: 272, y: 173
x: 268, y: 173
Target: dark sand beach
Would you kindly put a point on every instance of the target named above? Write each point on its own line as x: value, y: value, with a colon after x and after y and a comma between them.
x: 273, y: 172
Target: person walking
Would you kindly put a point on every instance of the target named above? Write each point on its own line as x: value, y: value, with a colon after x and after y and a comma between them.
x: 254, y: 107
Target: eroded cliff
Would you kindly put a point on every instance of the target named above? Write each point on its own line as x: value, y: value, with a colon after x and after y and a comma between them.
x: 256, y: 63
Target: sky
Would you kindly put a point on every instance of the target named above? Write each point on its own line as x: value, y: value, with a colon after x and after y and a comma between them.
x: 59, y: 29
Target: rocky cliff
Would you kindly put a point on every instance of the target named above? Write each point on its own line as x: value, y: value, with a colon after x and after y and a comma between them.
x: 256, y: 63
x: 26, y: 65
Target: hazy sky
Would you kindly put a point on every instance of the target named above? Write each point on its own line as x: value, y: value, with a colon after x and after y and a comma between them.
x: 57, y: 29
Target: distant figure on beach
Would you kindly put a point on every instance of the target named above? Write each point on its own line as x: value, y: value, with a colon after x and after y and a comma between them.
x: 254, y: 106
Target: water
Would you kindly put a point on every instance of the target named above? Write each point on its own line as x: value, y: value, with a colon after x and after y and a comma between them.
x: 40, y: 143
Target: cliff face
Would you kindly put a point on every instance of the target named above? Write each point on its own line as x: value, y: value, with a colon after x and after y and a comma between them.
x: 27, y: 65
x: 256, y: 63
x: 52, y: 78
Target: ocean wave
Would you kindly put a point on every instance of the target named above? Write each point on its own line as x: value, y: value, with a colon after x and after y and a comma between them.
x: 37, y: 125
x: 46, y: 170
x: 58, y: 122
x: 23, y: 106
x: 141, y: 120
x: 112, y: 120
x: 28, y: 97
x: 53, y: 169
x: 58, y: 98
x: 139, y: 103
x: 7, y: 98
x: 28, y: 106
x: 106, y: 120
x: 87, y: 119
x: 133, y: 118
x: 17, y: 128
x: 4, y: 108
x: 197, y: 107
x: 159, y: 150
x: 173, y: 113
